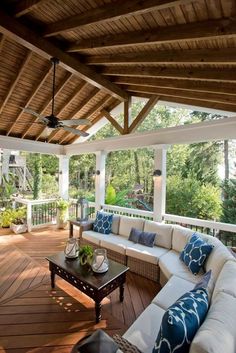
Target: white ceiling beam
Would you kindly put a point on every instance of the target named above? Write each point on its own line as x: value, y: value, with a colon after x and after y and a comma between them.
x: 18, y: 144
x: 185, y: 134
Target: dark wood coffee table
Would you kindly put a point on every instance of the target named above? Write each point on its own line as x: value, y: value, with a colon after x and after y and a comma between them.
x: 96, y: 286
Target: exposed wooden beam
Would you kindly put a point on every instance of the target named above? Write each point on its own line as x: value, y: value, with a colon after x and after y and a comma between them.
x: 97, y: 118
x: 188, y: 85
x: 70, y: 99
x: 15, y: 79
x: 12, y: 28
x: 127, y: 115
x: 92, y: 94
x: 25, y: 6
x: 2, y: 39
x: 112, y: 121
x: 172, y: 57
x: 212, y: 29
x: 143, y: 114
x: 34, y: 92
x: 209, y: 97
x: 60, y: 86
x: 111, y: 11
x: 92, y: 111
x: 205, y: 74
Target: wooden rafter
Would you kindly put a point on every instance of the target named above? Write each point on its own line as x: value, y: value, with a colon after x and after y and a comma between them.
x: 112, y: 121
x: 2, y: 38
x: 16, y: 79
x: 25, y: 36
x: 209, y: 97
x: 69, y: 100
x: 191, y: 31
x: 34, y: 91
x: 199, y: 86
x: 111, y: 11
x: 60, y: 86
x: 91, y: 112
x: 92, y: 94
x: 25, y: 6
x: 172, y: 57
x: 143, y: 114
x: 127, y: 115
x: 205, y: 74
x: 98, y: 117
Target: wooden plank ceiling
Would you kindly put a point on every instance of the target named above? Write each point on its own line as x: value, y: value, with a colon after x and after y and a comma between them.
x: 181, y: 51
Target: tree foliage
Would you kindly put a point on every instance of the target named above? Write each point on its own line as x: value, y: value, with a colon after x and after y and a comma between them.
x: 37, y: 176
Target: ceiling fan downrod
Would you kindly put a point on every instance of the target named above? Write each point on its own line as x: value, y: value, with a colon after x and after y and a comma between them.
x: 55, y: 62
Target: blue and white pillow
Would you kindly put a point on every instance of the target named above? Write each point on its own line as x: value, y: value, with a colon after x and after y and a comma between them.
x: 195, y: 253
x: 103, y: 222
x: 181, y: 322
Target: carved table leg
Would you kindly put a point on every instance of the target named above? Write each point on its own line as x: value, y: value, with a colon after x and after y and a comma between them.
x: 52, y: 279
x: 122, y: 287
x: 98, y: 306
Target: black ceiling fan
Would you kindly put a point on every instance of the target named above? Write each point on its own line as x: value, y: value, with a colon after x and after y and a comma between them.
x: 51, y: 121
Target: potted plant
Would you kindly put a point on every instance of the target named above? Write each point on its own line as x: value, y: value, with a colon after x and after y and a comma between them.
x: 18, y: 223
x: 62, y: 213
x: 6, y: 216
x: 86, y: 255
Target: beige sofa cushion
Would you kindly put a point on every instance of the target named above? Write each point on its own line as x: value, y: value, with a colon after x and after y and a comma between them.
x: 93, y: 237
x: 170, y: 264
x: 143, y: 332
x: 126, y: 223
x: 142, y: 252
x: 163, y: 231
x: 226, y: 281
x: 217, y: 334
x: 172, y: 291
x: 180, y: 237
x: 115, y: 242
x: 115, y: 224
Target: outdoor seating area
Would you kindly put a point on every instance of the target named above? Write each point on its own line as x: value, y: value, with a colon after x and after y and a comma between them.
x: 117, y: 176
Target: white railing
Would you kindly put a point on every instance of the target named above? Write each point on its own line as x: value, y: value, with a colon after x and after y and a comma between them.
x: 125, y: 211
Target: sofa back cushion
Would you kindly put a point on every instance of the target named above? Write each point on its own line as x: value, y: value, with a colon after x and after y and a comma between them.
x: 180, y: 237
x: 226, y: 281
x: 115, y: 224
x: 217, y: 333
x: 163, y: 231
x: 127, y: 223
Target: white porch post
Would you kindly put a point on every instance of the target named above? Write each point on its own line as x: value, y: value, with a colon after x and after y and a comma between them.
x: 100, y: 179
x: 5, y: 163
x: 159, y: 201
x: 64, y: 176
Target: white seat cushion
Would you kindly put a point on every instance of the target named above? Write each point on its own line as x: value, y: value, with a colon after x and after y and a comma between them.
x: 116, y: 243
x: 172, y: 291
x: 217, y: 334
x: 163, y: 231
x: 126, y: 223
x: 93, y: 237
x: 180, y: 237
x: 144, y: 331
x: 226, y: 281
x: 145, y: 253
x: 170, y: 264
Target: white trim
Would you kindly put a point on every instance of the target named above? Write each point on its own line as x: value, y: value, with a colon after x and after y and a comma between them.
x: 30, y: 146
x: 128, y: 211
x: 219, y: 129
x: 159, y: 197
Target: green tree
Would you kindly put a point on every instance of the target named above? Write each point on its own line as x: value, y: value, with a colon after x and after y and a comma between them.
x: 229, y: 202
x: 37, y: 176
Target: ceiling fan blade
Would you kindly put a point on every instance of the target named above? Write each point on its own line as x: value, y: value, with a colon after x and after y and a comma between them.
x: 75, y: 131
x: 31, y: 111
x: 76, y: 122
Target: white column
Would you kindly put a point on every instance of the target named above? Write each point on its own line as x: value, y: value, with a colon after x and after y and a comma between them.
x: 5, y: 163
x: 29, y: 216
x: 100, y: 179
x: 159, y: 201
x: 64, y: 176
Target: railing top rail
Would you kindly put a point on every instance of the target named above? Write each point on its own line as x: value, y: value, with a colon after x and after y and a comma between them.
x: 34, y: 202
x: 201, y: 222
x: 128, y: 210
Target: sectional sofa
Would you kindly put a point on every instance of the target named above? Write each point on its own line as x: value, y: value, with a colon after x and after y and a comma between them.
x: 162, y: 263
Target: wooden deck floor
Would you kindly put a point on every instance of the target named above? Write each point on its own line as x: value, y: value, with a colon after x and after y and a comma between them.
x: 35, y: 319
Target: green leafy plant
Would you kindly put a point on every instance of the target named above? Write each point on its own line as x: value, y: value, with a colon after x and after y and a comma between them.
x: 110, y: 195
x: 62, y: 206
x: 85, y: 254
x: 7, y: 187
x: 19, y: 215
x: 6, y: 217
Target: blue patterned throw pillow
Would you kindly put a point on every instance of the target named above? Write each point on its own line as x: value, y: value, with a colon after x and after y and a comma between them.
x: 195, y: 253
x: 181, y: 322
x: 103, y: 222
